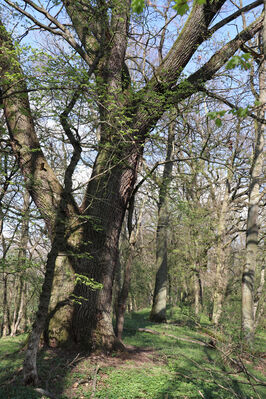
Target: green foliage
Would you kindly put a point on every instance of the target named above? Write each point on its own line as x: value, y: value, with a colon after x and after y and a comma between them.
x: 240, y: 61
x: 89, y: 282
x: 241, y: 112
x: 138, y: 6
x: 180, y: 6
x: 217, y: 117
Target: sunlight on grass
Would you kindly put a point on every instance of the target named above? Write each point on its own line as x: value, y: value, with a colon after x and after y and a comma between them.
x: 170, y: 369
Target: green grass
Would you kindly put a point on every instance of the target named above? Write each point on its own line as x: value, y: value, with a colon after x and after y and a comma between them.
x: 171, y: 368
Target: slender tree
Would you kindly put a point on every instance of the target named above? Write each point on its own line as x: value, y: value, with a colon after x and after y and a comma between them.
x: 158, y: 311
x: 248, y: 288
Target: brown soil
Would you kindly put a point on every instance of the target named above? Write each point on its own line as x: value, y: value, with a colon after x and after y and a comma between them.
x: 132, y: 355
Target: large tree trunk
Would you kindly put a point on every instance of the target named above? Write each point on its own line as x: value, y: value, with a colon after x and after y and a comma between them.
x: 158, y: 311
x: 92, y: 321
x: 253, y: 205
x: 79, y: 313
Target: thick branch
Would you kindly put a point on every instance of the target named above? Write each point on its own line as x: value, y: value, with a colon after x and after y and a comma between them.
x: 40, y: 179
x: 197, y: 80
x: 160, y: 100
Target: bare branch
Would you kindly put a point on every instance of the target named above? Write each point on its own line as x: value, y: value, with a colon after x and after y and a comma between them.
x: 63, y: 32
x: 234, y: 16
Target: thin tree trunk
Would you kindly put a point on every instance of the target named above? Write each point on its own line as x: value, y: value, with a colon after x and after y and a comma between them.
x: 221, y: 275
x: 198, y: 303
x: 18, y: 288
x: 259, y: 293
x: 25, y: 320
x: 6, y: 316
x: 196, y: 295
x: 253, y: 205
x: 158, y: 311
x: 19, y: 309
x: 22, y: 258
x: 30, y: 374
x: 123, y: 294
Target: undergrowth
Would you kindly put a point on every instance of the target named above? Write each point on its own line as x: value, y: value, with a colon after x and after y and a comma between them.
x: 177, y: 363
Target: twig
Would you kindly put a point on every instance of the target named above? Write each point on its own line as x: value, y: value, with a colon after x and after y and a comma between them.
x: 46, y: 393
x: 94, y: 383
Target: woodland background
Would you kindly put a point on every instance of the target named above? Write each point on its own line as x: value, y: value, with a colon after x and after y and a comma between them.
x: 190, y: 228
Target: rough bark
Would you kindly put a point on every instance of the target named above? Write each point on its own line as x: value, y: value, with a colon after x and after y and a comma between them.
x: 92, y: 319
x: 253, y: 205
x: 158, y: 311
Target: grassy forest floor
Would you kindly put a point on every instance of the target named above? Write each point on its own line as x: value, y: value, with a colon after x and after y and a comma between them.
x: 173, y: 360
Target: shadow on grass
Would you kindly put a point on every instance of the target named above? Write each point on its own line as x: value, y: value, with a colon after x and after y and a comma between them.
x: 54, y: 367
x: 161, y: 367
x: 205, y: 375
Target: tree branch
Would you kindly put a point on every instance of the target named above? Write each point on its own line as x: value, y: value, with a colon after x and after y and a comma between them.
x: 63, y: 32
x: 75, y: 143
x: 233, y: 16
x: 231, y: 105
